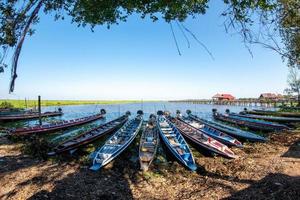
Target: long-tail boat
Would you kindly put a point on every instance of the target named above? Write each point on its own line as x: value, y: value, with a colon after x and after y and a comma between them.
x: 90, y: 136
x: 202, y: 140
x: 210, y: 131
x: 175, y: 142
x: 268, y: 118
x: 238, y: 133
x: 148, y: 143
x: 29, y: 115
x: 271, y: 112
x: 117, y: 143
x: 12, y: 111
x: 250, y: 123
x: 56, y: 126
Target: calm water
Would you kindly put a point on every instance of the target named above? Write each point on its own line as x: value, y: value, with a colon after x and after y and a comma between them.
x: 114, y: 111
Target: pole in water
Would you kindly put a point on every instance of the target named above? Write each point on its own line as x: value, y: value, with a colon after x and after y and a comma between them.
x: 39, y: 109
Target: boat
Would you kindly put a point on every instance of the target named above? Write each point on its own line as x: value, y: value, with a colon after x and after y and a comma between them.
x: 117, y: 143
x: 268, y: 118
x: 202, y: 140
x: 12, y: 111
x: 28, y: 116
x: 250, y: 123
x: 238, y: 133
x: 148, y: 143
x: 56, y: 126
x: 89, y: 136
x: 271, y: 112
x: 175, y: 142
x: 210, y: 131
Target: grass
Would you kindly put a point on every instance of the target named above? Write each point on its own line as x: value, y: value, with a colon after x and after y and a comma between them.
x: 33, y: 103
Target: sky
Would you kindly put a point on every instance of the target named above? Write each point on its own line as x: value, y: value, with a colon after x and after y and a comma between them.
x: 139, y: 60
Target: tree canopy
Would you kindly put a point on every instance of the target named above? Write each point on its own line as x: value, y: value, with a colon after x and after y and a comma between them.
x: 275, y: 19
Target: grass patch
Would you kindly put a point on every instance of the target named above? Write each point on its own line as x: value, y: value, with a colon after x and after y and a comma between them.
x: 33, y: 103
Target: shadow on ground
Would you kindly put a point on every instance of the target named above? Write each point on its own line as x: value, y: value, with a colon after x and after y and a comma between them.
x: 293, y: 151
x: 273, y: 186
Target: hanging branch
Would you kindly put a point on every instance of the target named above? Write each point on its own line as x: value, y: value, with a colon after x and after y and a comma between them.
x: 175, y: 40
x: 20, y: 44
x: 195, y: 37
x: 183, y: 33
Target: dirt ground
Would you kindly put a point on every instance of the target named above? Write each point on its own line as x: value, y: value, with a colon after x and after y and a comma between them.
x: 263, y: 171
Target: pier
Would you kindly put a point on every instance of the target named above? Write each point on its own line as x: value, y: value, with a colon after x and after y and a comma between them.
x: 241, y: 102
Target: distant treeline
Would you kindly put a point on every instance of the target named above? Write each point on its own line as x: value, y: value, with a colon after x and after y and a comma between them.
x: 34, y: 103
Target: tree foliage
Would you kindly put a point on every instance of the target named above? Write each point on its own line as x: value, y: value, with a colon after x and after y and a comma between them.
x: 258, y: 21
x: 293, y: 83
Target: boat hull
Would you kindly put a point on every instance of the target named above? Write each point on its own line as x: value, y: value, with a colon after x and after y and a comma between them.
x: 64, y: 147
x: 240, y: 134
x: 148, y: 146
x: 202, y: 140
x: 250, y: 123
x: 27, y: 116
x: 119, y: 149
x: 191, y: 165
x: 54, y: 127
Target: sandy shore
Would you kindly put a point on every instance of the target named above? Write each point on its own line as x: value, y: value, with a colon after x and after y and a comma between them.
x: 263, y: 170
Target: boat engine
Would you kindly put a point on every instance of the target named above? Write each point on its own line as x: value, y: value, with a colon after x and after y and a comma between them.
x: 103, y: 111
x: 140, y: 112
x: 160, y: 112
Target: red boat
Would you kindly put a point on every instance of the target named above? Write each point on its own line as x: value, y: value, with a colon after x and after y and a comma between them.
x: 56, y: 126
x: 90, y: 136
x: 201, y: 139
x: 29, y: 115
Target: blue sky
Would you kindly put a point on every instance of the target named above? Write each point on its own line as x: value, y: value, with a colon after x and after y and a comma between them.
x: 139, y: 60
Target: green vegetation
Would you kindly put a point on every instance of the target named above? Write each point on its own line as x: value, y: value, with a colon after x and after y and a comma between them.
x: 6, y: 105
x: 34, y: 103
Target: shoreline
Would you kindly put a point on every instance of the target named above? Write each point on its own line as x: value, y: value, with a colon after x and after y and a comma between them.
x: 46, y: 103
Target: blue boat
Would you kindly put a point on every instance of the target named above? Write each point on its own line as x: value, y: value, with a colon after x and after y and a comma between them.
x: 268, y: 118
x: 212, y: 132
x: 238, y: 133
x: 175, y: 142
x: 117, y: 143
x: 250, y: 123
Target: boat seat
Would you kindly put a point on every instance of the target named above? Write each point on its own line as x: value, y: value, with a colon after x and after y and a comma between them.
x: 180, y: 151
x: 174, y: 142
x: 148, y: 149
x: 146, y: 157
x: 170, y: 135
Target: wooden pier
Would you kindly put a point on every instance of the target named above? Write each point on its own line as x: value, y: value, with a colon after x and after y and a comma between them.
x: 241, y: 102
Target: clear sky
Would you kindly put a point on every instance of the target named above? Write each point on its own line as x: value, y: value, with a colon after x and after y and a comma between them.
x: 139, y: 60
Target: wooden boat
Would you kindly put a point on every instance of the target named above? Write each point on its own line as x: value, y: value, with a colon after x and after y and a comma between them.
x: 250, y: 123
x: 89, y: 136
x: 212, y: 132
x: 238, y: 133
x: 272, y: 113
x: 12, y: 111
x: 202, y: 140
x: 117, y: 143
x: 175, y: 142
x: 28, y: 116
x: 56, y: 126
x: 148, y: 143
x: 269, y: 118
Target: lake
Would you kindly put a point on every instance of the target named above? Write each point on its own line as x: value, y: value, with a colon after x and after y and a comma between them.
x: 115, y: 110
